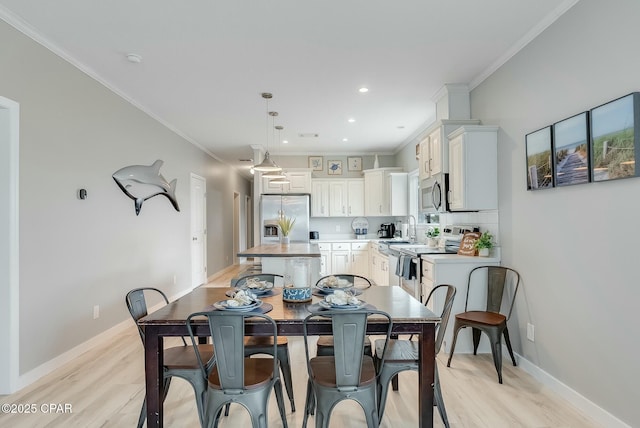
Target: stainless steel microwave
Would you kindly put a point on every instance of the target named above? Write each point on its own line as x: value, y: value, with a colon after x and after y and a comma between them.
x: 433, y: 194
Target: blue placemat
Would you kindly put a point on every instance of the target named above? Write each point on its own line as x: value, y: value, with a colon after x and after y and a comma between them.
x: 315, y: 308
x: 262, y: 309
x: 273, y: 292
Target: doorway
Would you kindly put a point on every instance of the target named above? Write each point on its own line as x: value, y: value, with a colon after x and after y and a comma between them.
x: 198, y: 230
x: 9, y: 229
x: 236, y: 227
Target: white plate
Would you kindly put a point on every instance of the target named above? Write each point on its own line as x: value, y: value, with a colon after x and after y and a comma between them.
x: 257, y: 291
x: 224, y: 306
x: 342, y: 284
x: 328, y: 305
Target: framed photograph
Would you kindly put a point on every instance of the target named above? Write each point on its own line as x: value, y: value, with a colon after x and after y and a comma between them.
x: 539, y: 159
x: 334, y: 167
x: 615, y: 139
x: 571, y: 150
x: 315, y: 163
x: 354, y: 164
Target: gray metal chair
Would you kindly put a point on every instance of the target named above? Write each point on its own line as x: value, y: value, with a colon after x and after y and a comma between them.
x: 403, y: 355
x: 491, y: 321
x: 348, y: 374
x: 264, y: 344
x: 324, y: 346
x: 232, y: 377
x: 179, y: 361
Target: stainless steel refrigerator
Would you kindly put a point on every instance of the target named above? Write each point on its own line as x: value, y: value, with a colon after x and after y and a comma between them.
x: 274, y: 206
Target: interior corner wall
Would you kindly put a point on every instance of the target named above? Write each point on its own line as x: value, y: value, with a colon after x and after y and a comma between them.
x: 575, y: 246
x: 74, y: 254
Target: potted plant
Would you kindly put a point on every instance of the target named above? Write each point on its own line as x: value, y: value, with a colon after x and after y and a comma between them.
x: 286, y: 224
x: 484, y: 244
x: 432, y: 236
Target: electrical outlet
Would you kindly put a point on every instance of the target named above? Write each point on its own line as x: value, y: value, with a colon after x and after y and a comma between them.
x: 96, y: 312
x: 531, y: 332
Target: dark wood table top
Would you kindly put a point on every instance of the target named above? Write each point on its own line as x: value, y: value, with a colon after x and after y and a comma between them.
x: 279, y: 250
x: 403, y: 308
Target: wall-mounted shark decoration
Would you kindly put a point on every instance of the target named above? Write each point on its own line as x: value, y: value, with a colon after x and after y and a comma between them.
x: 141, y: 182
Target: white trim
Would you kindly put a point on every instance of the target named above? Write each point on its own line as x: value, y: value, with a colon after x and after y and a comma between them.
x: 589, y: 408
x: 14, y: 261
x: 520, y: 44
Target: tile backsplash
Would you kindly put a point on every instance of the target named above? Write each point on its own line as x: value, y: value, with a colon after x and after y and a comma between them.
x: 485, y: 220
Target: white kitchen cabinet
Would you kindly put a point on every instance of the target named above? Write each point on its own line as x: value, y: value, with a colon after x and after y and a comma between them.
x: 350, y: 258
x: 325, y: 258
x: 299, y: 182
x: 360, y: 259
x: 337, y: 198
x: 473, y: 168
x: 340, y: 262
x: 378, y: 266
x: 385, y: 192
x: 455, y: 270
x: 434, y: 148
x: 320, y: 198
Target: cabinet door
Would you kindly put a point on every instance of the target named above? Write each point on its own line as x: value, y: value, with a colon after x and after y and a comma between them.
x: 360, y: 263
x: 337, y: 198
x: 319, y: 198
x: 325, y: 263
x: 456, y: 170
x: 340, y: 262
x: 300, y: 182
x: 423, y: 162
x: 435, y: 151
x: 355, y: 197
x: 374, y: 186
x: 268, y: 186
x: 396, y: 194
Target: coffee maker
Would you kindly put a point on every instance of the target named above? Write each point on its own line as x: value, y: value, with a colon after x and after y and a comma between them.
x: 387, y: 230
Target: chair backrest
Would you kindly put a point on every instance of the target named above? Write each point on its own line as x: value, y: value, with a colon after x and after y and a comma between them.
x: 270, y: 277
x: 349, y: 330
x: 358, y: 281
x: 450, y: 295
x: 137, y: 304
x: 497, y: 280
x: 227, y: 331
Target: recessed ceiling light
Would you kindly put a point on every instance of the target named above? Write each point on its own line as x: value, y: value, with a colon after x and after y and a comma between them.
x: 285, y: 142
x: 400, y: 127
x: 345, y: 139
x: 351, y: 120
x: 363, y: 90
x: 135, y: 58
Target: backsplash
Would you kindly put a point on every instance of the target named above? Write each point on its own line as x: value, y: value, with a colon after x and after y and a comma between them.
x: 485, y: 220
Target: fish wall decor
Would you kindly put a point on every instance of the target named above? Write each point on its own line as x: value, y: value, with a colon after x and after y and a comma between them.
x: 141, y: 182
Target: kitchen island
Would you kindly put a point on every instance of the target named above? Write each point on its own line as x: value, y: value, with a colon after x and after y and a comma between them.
x: 289, y: 261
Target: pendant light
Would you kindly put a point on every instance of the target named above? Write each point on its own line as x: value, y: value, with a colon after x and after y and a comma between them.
x: 274, y: 175
x: 267, y: 164
x: 283, y: 179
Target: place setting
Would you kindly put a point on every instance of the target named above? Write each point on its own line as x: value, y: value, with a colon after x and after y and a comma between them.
x: 332, y: 284
x: 340, y: 300
x: 256, y: 287
x: 241, y: 301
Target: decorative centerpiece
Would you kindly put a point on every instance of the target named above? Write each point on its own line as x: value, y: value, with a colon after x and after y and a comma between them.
x: 432, y: 236
x: 286, y: 224
x: 297, y: 280
x: 484, y: 244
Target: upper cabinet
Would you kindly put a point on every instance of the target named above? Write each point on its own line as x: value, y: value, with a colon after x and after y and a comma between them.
x: 385, y: 192
x: 434, y: 148
x: 337, y: 197
x: 299, y: 182
x: 473, y: 168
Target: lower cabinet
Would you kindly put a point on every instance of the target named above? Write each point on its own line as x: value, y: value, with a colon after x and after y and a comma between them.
x: 344, y: 257
x: 378, y: 266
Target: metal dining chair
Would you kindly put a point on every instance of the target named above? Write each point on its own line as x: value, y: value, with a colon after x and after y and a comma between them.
x: 232, y: 377
x: 403, y: 355
x: 264, y: 344
x: 324, y: 346
x: 492, y: 321
x: 348, y: 374
x: 179, y: 361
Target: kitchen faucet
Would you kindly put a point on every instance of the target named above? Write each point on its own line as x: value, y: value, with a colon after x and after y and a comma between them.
x: 412, y: 237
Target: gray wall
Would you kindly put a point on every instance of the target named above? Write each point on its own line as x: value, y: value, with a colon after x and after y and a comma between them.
x: 576, y: 246
x: 76, y: 254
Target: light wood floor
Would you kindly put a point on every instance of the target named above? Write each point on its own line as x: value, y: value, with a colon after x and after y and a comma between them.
x: 105, y: 388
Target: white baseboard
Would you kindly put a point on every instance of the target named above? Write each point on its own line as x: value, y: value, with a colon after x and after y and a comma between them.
x: 589, y: 408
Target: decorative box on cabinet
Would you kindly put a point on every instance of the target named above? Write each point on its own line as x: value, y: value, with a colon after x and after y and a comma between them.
x: 473, y: 168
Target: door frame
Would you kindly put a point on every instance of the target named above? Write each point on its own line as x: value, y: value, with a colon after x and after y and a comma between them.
x: 10, y: 293
x: 204, y: 218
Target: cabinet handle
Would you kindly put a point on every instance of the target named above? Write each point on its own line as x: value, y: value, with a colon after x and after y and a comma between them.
x: 343, y: 209
x: 349, y: 209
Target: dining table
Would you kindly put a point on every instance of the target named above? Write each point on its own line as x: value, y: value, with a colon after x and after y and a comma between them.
x: 408, y: 315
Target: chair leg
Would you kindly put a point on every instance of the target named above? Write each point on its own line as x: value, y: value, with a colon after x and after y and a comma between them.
x: 476, y: 340
x: 285, y: 367
x: 437, y: 398
x: 386, y: 377
x: 394, y: 382
x: 308, y: 405
x: 456, y: 329
x: 508, y: 343
x: 280, y: 400
x: 496, y: 351
x: 143, y: 413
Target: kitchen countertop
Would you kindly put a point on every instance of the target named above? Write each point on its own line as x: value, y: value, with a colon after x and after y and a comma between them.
x: 279, y: 250
x: 455, y: 258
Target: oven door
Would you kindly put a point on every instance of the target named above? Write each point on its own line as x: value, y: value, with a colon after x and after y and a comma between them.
x: 412, y: 286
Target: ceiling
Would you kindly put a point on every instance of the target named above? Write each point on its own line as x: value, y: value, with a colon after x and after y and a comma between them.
x: 205, y: 63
